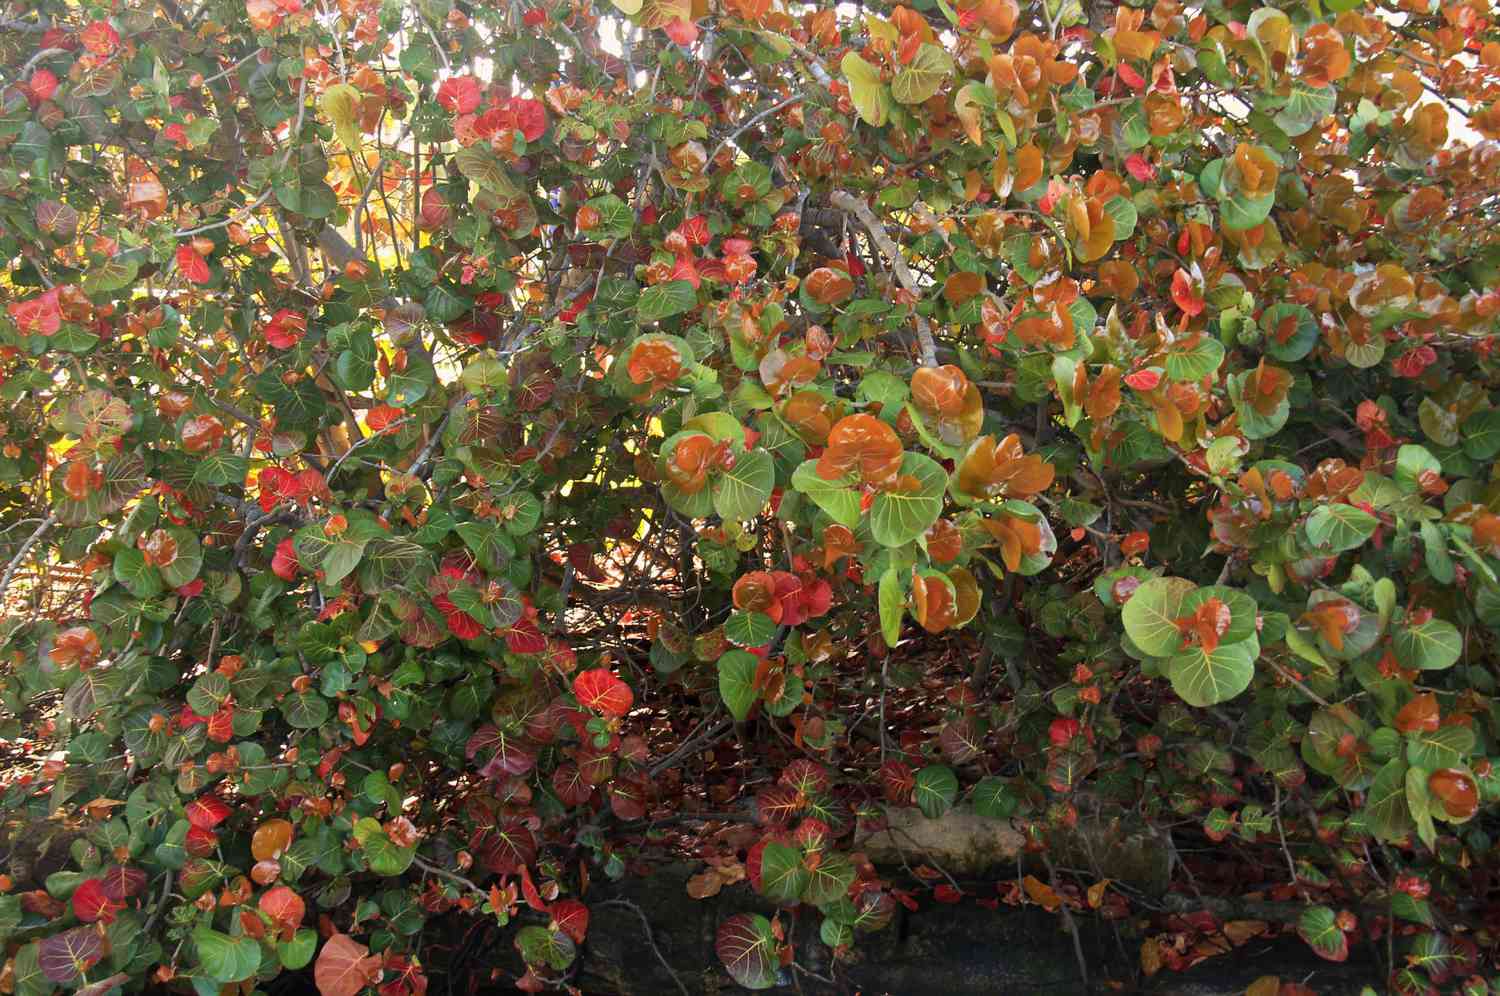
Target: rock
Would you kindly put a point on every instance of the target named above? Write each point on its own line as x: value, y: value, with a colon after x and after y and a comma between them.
x: 961, y: 843
x: 1136, y: 856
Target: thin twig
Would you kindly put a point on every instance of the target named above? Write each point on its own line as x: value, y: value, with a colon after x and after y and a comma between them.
x: 650, y: 938
x: 754, y: 120
x: 1289, y: 676
x: 1083, y: 965
x: 845, y: 201
x: 161, y: 904
x: 440, y: 872
x: 1291, y: 866
x: 15, y: 562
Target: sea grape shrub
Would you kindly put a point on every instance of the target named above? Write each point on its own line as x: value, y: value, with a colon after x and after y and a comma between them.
x: 434, y: 436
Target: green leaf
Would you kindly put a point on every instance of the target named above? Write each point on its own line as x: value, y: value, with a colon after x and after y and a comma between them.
x: 924, y: 76
x: 900, y: 516
x: 1122, y: 211
x: 220, y: 468
x: 1196, y: 362
x: 616, y: 220
x: 1240, y: 211
x: 936, y: 788
x: 1242, y: 610
x: 782, y: 874
x: 892, y: 600
x: 1318, y: 926
x: 225, y: 958
x: 1284, y: 317
x: 1339, y: 527
x: 523, y: 513
x: 480, y: 164
x: 749, y: 629
x: 1481, y: 433
x: 1151, y: 615
x: 113, y: 274
x: 305, y: 710
x: 869, y: 96
x: 837, y: 498
x: 1305, y: 107
x: 383, y: 855
x: 189, y: 561
x: 993, y: 798
x: 1445, y: 747
x: 297, y: 952
x: 737, y: 682
x: 545, y: 948
x: 741, y: 492
x: 139, y: 578
x: 485, y: 373
x: 1435, y: 553
x: 1204, y: 678
x: 665, y: 300
x: 1385, y: 810
x: 830, y: 880
x: 1430, y: 646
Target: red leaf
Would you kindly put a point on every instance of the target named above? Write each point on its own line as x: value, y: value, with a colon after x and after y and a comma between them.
x: 463, y: 625
x: 528, y: 891
x: 379, y: 418
x: 121, y: 882
x: 1144, y: 380
x: 459, y: 94
x: 284, y: 562
x: 1140, y: 167
x: 285, y: 909
x: 207, y: 812
x: 90, y: 902
x: 193, y: 266
x: 286, y: 329
x: 40, y: 315
x: 525, y: 638
x: 603, y: 692
x: 43, y: 84
x: 531, y: 117
x: 1187, y: 297
x: 200, y: 843
x: 682, y: 32
x: 100, y: 38
x: 572, y: 918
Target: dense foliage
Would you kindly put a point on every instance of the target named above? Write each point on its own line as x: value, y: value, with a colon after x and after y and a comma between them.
x: 444, y: 443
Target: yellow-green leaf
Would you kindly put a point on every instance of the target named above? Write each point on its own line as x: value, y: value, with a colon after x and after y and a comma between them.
x: 929, y: 70
x: 869, y: 96
x: 340, y: 105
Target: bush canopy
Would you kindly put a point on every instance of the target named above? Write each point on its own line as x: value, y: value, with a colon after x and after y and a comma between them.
x: 458, y: 453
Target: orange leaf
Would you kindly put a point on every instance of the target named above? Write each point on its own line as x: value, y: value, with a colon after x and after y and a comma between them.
x: 991, y: 470
x: 829, y: 286
x: 1042, y: 894
x: 1208, y: 622
x: 863, y: 443
x: 962, y: 286
x: 1418, y: 715
x: 1332, y: 619
x: 271, y: 840
x: 1456, y: 790
x: 1104, y: 394
x: 345, y: 967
